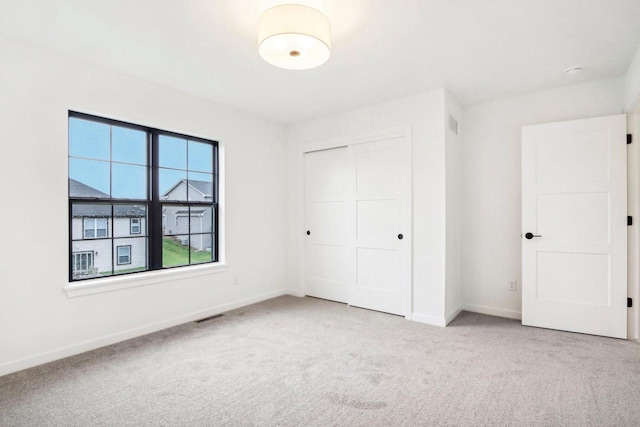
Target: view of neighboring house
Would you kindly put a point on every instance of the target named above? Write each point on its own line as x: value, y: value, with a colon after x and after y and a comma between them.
x: 106, y: 242
x: 106, y: 239
x: 182, y: 221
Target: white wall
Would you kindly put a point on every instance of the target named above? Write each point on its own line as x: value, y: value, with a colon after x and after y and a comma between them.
x: 491, y: 184
x: 632, y: 84
x: 453, y: 184
x: 425, y: 114
x: 38, y: 321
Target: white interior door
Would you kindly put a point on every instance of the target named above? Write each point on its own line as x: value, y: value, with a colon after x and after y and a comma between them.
x: 574, y: 207
x: 325, y: 218
x: 379, y: 211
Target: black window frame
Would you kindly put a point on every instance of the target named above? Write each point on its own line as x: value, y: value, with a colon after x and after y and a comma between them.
x: 153, y: 202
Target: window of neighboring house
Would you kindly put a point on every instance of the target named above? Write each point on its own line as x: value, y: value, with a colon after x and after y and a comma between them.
x: 124, y: 176
x: 124, y: 254
x: 94, y: 228
x: 82, y: 262
x: 134, y: 225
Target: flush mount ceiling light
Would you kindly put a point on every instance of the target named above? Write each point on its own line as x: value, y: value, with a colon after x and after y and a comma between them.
x: 295, y: 37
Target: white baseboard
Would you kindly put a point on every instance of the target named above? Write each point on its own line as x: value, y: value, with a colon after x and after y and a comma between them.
x: 50, y: 356
x: 453, y: 315
x: 429, y: 320
x: 492, y: 311
x: 295, y: 293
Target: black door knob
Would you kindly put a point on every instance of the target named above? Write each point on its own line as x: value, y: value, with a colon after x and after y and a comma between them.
x: 308, y: 232
x: 400, y: 236
x: 531, y: 235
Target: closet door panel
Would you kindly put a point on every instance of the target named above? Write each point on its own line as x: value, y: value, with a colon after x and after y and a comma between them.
x: 326, y: 228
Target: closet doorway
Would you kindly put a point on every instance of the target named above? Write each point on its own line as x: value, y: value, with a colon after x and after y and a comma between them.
x: 358, y: 224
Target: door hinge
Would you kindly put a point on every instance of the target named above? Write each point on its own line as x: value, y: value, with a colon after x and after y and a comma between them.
x: 629, y: 220
x: 629, y: 302
x: 629, y: 138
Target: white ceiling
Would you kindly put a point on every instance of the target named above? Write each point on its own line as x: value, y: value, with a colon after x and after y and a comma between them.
x: 382, y: 49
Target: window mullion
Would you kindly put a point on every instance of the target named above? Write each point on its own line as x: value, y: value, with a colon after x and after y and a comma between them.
x: 154, y: 226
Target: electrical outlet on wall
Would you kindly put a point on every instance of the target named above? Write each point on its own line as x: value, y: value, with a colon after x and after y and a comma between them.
x: 236, y: 280
x: 513, y: 285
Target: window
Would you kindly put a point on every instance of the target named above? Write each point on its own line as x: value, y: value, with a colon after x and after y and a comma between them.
x: 134, y: 226
x: 135, y: 190
x: 124, y: 255
x: 95, y: 228
x: 82, y: 262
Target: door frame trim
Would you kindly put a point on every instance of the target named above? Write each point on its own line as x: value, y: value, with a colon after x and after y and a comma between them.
x: 401, y: 133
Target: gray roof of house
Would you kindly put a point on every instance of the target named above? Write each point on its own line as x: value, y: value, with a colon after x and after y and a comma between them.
x: 202, y: 186
x: 78, y: 189
x: 87, y: 210
x: 95, y: 210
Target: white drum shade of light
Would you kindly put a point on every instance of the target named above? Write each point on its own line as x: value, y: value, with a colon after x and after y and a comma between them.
x: 294, y: 37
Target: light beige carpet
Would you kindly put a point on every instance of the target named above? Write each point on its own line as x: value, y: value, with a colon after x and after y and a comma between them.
x: 299, y: 362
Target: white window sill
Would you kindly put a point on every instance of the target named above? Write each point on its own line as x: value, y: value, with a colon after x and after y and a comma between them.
x: 114, y: 283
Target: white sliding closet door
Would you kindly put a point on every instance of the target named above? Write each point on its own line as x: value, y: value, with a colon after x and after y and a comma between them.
x: 358, y: 225
x: 380, y: 253
x: 325, y: 213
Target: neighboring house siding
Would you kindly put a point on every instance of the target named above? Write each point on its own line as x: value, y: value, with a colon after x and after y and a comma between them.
x: 138, y: 253
x: 200, y: 223
x: 199, y: 192
x: 123, y: 227
x: 179, y: 192
x: 102, y: 248
x: 78, y: 228
x: 101, y: 258
x: 201, y: 242
x: 175, y: 219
